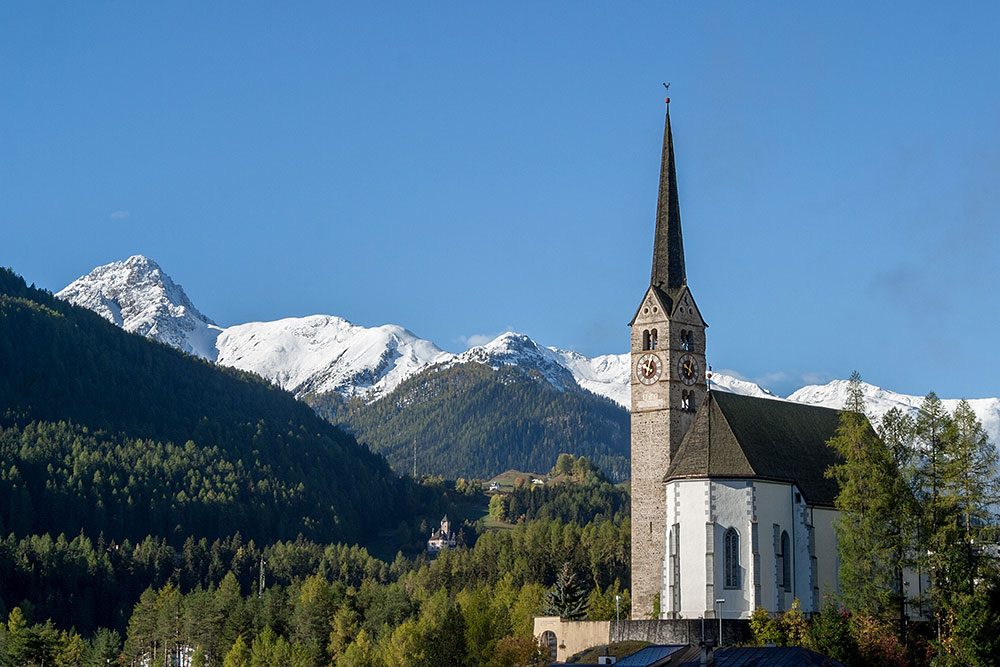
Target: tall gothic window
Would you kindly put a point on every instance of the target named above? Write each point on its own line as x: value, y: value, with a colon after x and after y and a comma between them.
x: 786, y: 562
x: 652, y: 339
x: 731, y: 546
x: 687, y: 340
x: 645, y: 339
x: 675, y: 566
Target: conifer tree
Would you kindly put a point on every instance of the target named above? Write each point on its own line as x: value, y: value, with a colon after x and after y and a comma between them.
x: 238, y: 655
x: 567, y: 598
x: 938, y: 517
x: 871, y: 488
x: 896, y: 433
x: 974, y: 484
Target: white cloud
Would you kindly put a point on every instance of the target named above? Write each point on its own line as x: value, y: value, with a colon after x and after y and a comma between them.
x: 784, y: 383
x: 476, y: 339
x: 119, y: 215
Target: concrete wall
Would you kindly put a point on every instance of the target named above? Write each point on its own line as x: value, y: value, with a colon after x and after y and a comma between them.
x: 682, y: 631
x: 575, y: 636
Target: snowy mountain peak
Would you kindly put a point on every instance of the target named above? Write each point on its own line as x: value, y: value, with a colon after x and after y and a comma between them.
x: 323, y: 353
x: 733, y: 385
x: 139, y: 297
x: 879, y: 401
x: 516, y: 349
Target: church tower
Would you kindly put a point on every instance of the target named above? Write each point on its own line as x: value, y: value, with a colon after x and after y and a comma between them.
x: 668, y: 384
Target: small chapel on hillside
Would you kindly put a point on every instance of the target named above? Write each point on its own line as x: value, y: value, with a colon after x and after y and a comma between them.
x: 731, y: 508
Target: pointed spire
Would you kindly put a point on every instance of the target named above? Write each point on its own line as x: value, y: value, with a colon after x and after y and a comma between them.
x: 668, y: 246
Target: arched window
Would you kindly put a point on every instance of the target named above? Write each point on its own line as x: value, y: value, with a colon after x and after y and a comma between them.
x: 731, y: 546
x: 652, y: 339
x: 645, y: 339
x: 550, y: 642
x: 687, y: 340
x: 786, y: 562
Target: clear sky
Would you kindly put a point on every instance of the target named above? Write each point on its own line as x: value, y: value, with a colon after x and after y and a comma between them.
x: 464, y: 168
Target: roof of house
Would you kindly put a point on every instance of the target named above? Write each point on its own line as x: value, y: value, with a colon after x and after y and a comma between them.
x: 744, y: 436
x: 651, y: 656
x: 766, y: 656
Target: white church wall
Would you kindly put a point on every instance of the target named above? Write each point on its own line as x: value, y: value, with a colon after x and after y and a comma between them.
x: 827, y: 563
x: 774, y: 507
x: 732, y: 507
x: 760, y: 511
x: 688, y: 507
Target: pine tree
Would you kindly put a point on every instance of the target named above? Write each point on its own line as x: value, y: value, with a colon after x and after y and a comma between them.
x: 938, y: 516
x: 871, y: 488
x: 974, y: 484
x: 896, y: 433
x: 567, y: 598
x: 238, y: 655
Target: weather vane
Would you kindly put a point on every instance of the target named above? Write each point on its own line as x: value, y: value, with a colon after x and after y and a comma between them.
x: 667, y: 99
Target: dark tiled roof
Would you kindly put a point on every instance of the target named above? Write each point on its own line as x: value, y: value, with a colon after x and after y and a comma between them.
x: 780, y: 656
x: 650, y: 655
x: 743, y: 436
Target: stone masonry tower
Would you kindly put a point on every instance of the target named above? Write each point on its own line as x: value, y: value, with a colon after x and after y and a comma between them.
x: 668, y: 384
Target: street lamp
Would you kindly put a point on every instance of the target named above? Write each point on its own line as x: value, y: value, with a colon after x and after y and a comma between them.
x: 618, y: 617
x: 718, y: 603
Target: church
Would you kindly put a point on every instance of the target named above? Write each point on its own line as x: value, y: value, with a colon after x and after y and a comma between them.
x: 731, y: 508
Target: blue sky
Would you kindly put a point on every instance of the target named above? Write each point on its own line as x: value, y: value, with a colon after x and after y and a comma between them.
x: 464, y: 168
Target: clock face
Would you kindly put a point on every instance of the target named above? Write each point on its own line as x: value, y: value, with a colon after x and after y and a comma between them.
x: 687, y: 368
x: 648, y: 368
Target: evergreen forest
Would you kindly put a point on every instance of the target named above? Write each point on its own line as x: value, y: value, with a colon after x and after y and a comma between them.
x: 106, y: 431
x: 470, y: 420
x: 158, y: 509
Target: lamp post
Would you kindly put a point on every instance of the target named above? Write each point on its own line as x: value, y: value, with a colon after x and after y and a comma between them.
x: 618, y: 617
x: 718, y: 603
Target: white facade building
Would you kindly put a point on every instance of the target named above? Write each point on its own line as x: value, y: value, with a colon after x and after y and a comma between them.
x: 749, y: 511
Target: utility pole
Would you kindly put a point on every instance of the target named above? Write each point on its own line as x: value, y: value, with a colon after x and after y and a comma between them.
x: 260, y: 583
x: 719, y: 603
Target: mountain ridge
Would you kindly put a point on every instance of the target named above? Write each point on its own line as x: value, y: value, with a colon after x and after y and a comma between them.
x: 319, y: 354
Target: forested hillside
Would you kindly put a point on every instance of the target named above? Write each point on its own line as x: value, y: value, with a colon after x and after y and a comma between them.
x: 473, y: 421
x: 101, y: 430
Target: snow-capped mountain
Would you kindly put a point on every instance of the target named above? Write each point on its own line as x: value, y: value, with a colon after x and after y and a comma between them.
x: 733, y: 385
x: 322, y: 353
x: 139, y: 297
x: 316, y: 354
x: 879, y: 401
x: 515, y: 349
x: 606, y: 375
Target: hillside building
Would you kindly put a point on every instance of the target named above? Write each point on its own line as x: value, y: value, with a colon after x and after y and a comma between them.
x: 442, y: 538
